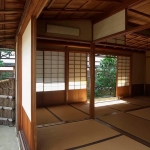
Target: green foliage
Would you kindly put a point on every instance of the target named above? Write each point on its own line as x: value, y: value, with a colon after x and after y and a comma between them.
x: 106, y: 77
x: 4, y: 75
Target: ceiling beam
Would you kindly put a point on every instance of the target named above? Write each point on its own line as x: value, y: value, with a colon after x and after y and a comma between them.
x: 9, y: 22
x: 72, y: 11
x: 117, y: 8
x: 6, y: 35
x: 10, y: 11
x: 51, y: 3
x: 139, y: 13
x: 129, y: 31
x: 11, y: 29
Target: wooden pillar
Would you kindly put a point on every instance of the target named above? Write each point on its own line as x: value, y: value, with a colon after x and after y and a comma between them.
x: 19, y: 83
x: 33, y: 81
x: 92, y: 80
x: 66, y: 75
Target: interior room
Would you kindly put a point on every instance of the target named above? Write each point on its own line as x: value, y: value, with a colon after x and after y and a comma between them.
x: 82, y: 74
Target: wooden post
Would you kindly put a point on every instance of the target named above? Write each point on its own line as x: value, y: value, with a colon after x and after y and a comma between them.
x: 33, y: 81
x: 92, y: 80
x: 66, y: 75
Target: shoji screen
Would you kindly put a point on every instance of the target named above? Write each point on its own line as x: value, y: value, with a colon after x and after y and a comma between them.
x: 39, y: 71
x: 123, y: 76
x: 54, y: 71
x: 77, y: 71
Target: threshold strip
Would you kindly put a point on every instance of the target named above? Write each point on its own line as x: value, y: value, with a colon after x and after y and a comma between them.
x: 142, y: 107
x: 78, y: 109
x: 54, y: 114
x: 96, y: 142
x: 124, y: 133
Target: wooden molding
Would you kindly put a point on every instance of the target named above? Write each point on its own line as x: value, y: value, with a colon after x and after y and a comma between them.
x: 10, y: 11
x: 11, y: 29
x: 9, y: 22
x: 72, y: 11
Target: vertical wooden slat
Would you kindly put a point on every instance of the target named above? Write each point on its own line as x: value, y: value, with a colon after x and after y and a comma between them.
x: 33, y: 82
x: 92, y: 80
x: 66, y: 75
x: 130, y: 82
x: 19, y: 82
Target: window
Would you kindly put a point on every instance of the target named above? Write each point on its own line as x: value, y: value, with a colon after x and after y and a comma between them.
x: 39, y: 71
x: 123, y: 65
x: 77, y: 71
x: 54, y: 71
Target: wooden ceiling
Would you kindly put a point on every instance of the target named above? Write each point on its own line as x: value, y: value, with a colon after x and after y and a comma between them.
x: 138, y: 13
x: 10, y: 15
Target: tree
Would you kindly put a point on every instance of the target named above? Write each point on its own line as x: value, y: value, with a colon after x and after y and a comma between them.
x: 106, y: 77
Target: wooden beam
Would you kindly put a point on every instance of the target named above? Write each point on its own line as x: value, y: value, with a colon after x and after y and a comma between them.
x: 72, y: 11
x: 51, y: 3
x: 139, y: 13
x: 9, y: 22
x: 108, y: 1
x: 11, y: 29
x: 6, y: 35
x: 129, y: 31
x: 119, y: 7
x: 10, y: 11
x: 92, y: 81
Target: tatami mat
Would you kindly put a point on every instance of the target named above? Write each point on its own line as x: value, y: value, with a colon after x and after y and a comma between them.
x: 143, y: 113
x: 68, y: 113
x: 137, y: 101
x: 147, y: 98
x: 124, y: 107
x: 70, y: 135
x: 118, y: 143
x: 43, y: 116
x: 101, y: 110
x: 134, y: 125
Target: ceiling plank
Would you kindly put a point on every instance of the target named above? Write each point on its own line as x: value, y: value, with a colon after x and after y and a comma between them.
x: 11, y: 29
x: 10, y: 11
x: 72, y: 11
x: 139, y: 13
x: 129, y: 31
x: 6, y: 35
x: 51, y: 3
x: 9, y: 22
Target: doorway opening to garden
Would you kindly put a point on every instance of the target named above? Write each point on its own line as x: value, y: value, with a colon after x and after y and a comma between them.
x: 105, y: 77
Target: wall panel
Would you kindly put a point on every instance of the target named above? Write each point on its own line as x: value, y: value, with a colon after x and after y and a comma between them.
x: 110, y: 25
x: 85, y: 27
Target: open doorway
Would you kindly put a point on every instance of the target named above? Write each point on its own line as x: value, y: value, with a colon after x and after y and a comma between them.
x: 105, y: 77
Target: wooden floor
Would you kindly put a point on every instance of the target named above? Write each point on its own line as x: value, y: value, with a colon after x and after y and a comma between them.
x: 122, y: 126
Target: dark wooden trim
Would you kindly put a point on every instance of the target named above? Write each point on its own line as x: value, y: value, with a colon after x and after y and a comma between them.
x: 19, y: 82
x: 72, y: 11
x: 33, y: 82
x: 11, y: 11
x: 66, y: 74
x: 92, y: 81
x: 130, y: 80
x: 11, y: 29
x: 10, y: 22
x: 139, y: 13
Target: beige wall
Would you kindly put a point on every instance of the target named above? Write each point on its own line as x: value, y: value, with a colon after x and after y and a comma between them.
x: 147, y: 67
x: 85, y: 27
x: 110, y: 25
x: 138, y: 68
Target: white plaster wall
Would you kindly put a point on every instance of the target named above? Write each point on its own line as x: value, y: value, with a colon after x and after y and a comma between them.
x: 26, y: 70
x: 110, y: 25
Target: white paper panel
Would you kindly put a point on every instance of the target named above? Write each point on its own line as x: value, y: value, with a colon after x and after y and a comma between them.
x: 26, y: 70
